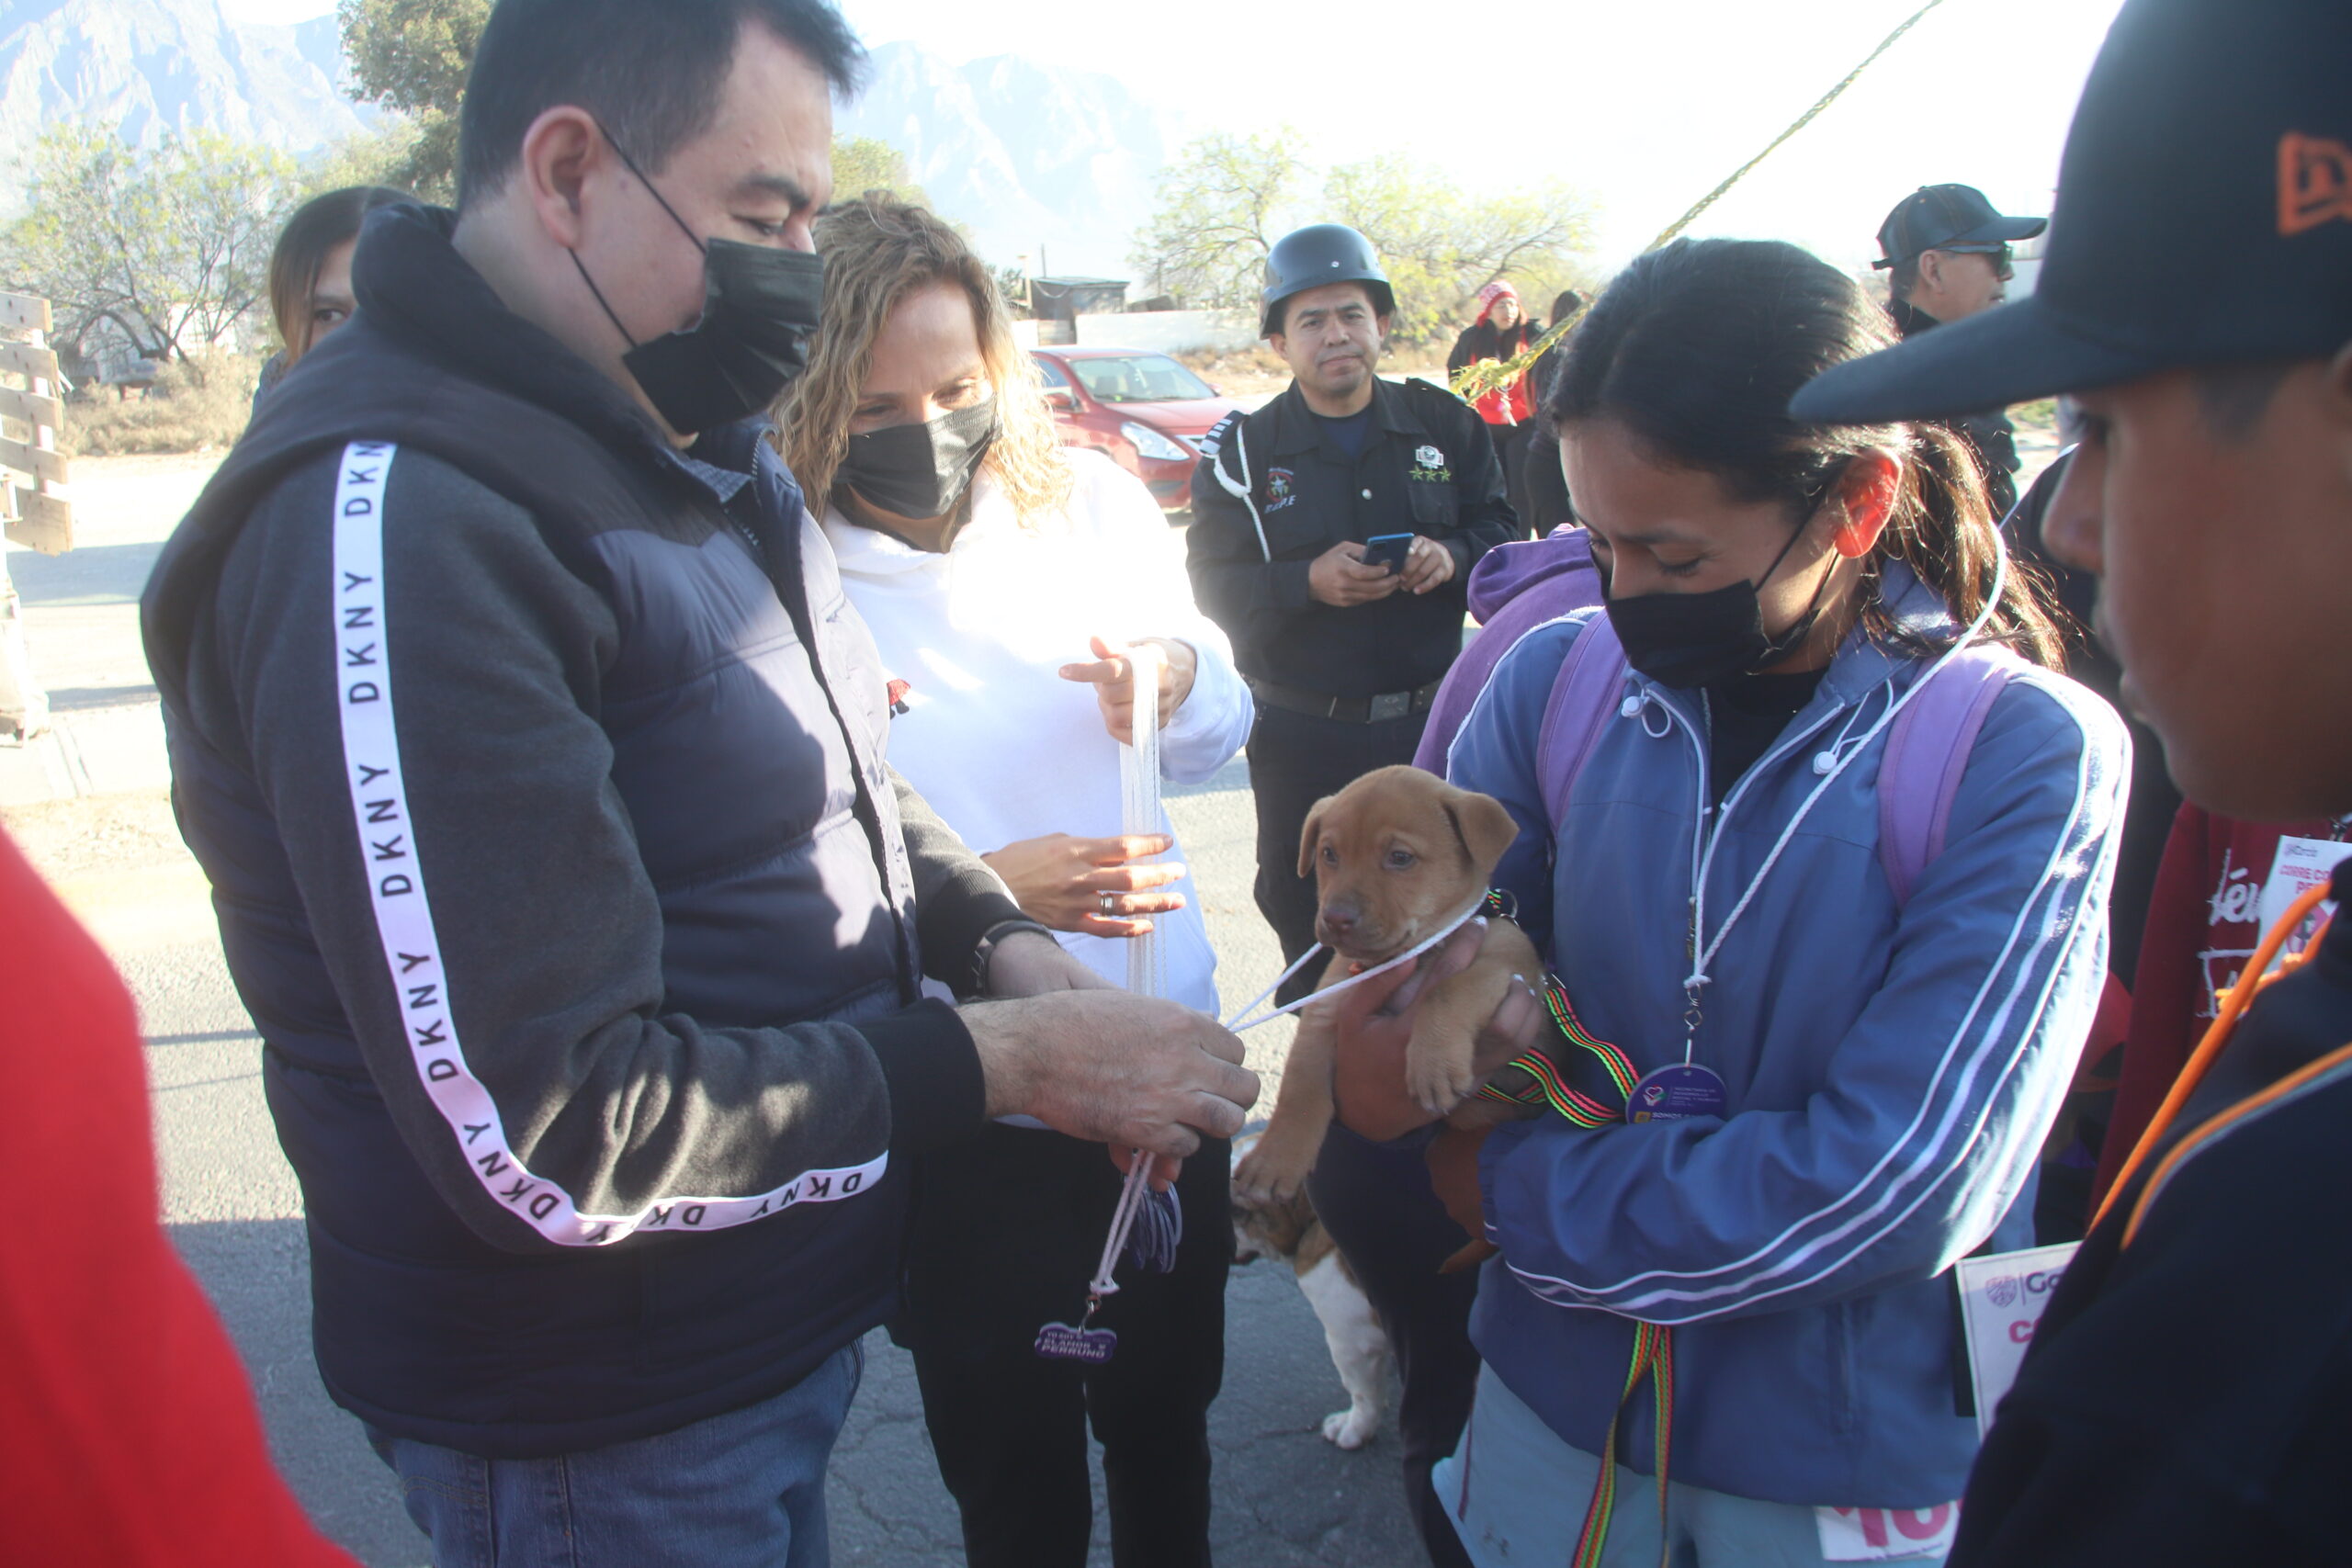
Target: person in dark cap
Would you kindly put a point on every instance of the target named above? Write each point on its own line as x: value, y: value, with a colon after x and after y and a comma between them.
x: 1344, y: 655
x: 2187, y: 1397
x: 1945, y: 254
x: 593, y: 993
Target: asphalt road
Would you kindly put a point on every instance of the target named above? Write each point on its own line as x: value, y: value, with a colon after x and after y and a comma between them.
x: 1286, y: 1498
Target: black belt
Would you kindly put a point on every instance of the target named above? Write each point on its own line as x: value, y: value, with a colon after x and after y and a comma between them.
x: 1378, y: 708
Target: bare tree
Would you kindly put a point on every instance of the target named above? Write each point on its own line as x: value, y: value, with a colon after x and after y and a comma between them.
x: 1440, y: 246
x: 169, y: 246
x: 1217, y: 216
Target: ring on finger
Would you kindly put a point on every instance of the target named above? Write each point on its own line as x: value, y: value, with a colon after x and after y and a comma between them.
x: 1110, y: 903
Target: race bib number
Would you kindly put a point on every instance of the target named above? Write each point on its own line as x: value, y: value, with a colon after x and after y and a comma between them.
x: 2301, y: 865
x: 2002, y: 1299
x: 1886, y: 1535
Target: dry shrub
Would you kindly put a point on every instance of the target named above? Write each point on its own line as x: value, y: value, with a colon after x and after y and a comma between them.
x: 195, y: 406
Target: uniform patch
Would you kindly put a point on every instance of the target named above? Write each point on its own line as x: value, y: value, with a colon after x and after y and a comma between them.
x: 1215, y: 437
x: 1430, y: 467
x: 1279, y: 489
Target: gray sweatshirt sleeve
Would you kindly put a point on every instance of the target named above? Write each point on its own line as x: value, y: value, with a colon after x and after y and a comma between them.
x: 958, y: 896
x: 473, y: 886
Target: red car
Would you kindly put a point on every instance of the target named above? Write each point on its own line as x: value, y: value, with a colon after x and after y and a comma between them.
x: 1144, y: 409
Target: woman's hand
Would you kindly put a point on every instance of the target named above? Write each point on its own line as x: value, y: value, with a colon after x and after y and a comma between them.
x: 1088, y: 885
x: 1113, y: 678
x: 1453, y: 1159
x: 1375, y: 1024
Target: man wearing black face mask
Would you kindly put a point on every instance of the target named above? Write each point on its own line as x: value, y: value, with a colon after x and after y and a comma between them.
x: 518, y: 717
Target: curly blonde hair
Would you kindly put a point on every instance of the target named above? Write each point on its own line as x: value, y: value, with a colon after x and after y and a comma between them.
x: 877, y: 251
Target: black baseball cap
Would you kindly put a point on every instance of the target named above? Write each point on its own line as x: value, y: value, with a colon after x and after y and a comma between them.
x: 1937, y: 218
x: 2204, y: 217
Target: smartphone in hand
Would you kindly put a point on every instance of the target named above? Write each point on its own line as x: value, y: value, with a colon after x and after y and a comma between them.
x: 1388, y: 551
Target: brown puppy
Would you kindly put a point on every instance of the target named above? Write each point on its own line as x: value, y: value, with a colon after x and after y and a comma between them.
x: 1287, y: 1228
x: 1396, y: 855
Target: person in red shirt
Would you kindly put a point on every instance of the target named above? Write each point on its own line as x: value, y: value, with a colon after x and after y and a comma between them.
x: 1502, y: 332
x: 128, y: 1435
x: 2204, y: 921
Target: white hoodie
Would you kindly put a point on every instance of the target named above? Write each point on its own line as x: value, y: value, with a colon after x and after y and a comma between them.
x: 985, y: 728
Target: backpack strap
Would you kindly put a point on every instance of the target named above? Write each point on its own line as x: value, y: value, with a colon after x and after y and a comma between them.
x: 1585, y: 693
x: 1926, y: 752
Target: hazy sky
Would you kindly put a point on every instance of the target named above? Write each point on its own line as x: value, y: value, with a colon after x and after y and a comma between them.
x: 1643, y: 104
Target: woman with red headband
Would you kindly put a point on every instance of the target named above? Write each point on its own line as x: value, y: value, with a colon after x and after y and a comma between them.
x: 1502, y: 332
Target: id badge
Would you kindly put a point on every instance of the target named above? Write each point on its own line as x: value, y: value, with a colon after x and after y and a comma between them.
x: 2002, y: 1298
x: 1675, y: 1091
x: 2300, y: 864
x: 1886, y: 1535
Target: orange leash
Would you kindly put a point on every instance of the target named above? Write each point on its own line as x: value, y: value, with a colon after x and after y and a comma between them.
x: 2234, y: 1001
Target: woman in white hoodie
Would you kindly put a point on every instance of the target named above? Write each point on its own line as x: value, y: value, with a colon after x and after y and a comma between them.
x: 1004, y: 579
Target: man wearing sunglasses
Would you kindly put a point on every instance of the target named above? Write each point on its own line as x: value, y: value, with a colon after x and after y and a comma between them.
x: 1948, y: 250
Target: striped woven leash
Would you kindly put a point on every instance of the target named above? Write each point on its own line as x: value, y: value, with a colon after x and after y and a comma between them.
x: 1653, y: 1357
x: 1547, y: 1087
x: 1653, y: 1342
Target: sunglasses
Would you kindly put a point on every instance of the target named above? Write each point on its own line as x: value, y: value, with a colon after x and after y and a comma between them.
x: 2001, y: 256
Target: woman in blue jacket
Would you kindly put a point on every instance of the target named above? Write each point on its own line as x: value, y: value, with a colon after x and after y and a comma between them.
x: 1870, y: 1072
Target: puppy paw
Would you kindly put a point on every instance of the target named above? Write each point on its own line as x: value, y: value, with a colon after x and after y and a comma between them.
x: 1274, y: 1172
x: 1350, y: 1428
x: 1437, y: 1084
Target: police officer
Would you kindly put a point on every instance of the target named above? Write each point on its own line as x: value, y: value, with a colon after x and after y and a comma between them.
x: 1343, y: 654
x: 1946, y: 251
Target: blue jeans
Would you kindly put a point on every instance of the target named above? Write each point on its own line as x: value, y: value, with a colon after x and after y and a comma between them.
x: 1516, y: 1495
x: 742, y: 1489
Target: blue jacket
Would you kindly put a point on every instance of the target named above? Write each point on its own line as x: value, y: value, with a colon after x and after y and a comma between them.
x: 1892, y: 1072
x: 538, y: 773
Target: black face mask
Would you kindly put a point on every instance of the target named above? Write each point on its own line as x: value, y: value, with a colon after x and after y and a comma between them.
x: 760, y: 306
x: 919, y: 470
x: 1688, y: 641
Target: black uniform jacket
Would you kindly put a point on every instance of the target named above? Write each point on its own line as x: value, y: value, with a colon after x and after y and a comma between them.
x: 2188, y: 1399
x: 1274, y: 492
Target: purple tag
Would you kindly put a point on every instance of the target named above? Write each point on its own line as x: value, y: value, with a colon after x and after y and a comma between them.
x: 1675, y: 1091
x: 1060, y: 1342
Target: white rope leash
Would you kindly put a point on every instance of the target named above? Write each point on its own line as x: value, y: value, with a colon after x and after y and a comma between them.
x: 1139, y: 812
x: 1147, y: 964
x: 1236, y: 1026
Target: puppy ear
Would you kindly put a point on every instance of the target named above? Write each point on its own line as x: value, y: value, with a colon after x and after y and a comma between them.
x: 1485, y: 826
x: 1312, y: 834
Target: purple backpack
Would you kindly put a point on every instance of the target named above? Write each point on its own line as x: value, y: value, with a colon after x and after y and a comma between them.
x: 1927, y: 746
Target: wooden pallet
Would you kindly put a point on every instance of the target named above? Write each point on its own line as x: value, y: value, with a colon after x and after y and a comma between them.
x: 32, y: 415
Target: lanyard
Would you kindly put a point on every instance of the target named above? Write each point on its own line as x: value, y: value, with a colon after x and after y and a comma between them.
x: 2234, y: 1001
x: 1830, y: 764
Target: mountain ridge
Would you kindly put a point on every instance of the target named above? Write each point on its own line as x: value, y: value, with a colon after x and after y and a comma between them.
x: 1050, y: 162
x: 154, y: 67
